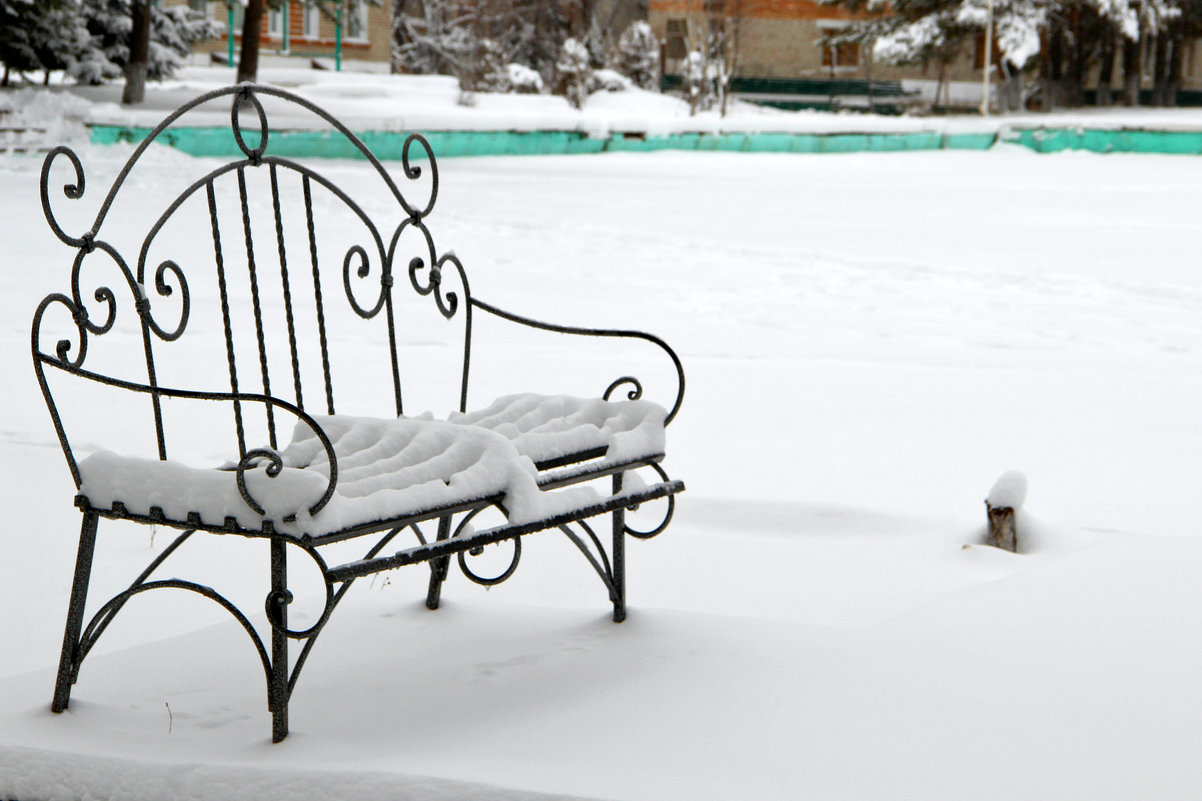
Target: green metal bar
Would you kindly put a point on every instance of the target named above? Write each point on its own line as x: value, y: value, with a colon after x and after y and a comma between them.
x: 338, y: 36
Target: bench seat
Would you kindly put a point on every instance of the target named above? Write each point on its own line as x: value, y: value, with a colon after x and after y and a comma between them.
x: 394, y: 469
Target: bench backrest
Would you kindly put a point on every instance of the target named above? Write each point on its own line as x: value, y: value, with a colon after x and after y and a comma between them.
x: 265, y: 266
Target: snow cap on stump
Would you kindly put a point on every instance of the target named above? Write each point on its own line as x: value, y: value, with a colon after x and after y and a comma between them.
x: 1009, y: 491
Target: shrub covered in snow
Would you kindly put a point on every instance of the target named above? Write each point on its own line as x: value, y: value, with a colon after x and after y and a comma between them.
x: 609, y: 80
x: 638, y: 55
x: 695, y: 80
x: 524, y: 80
x: 574, y: 71
x: 485, y: 70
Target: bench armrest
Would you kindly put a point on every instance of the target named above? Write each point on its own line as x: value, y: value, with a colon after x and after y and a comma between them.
x: 636, y: 390
x: 251, y: 458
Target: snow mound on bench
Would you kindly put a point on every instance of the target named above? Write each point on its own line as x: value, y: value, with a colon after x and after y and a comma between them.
x: 551, y: 426
x: 387, y: 468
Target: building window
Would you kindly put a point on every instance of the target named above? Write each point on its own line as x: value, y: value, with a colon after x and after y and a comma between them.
x: 675, y: 46
x: 843, y: 54
x: 354, y: 20
x: 311, y: 22
x: 275, y: 23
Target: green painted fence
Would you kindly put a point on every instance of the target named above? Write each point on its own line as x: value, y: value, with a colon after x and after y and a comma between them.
x: 388, y: 145
x: 1053, y: 140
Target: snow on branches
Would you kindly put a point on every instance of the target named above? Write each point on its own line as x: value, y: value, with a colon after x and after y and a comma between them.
x: 1065, y: 37
x: 574, y: 71
x: 90, y: 39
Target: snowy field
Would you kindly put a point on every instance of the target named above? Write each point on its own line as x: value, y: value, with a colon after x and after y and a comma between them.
x: 870, y: 341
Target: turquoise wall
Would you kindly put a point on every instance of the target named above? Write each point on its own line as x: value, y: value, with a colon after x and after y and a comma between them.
x: 387, y: 145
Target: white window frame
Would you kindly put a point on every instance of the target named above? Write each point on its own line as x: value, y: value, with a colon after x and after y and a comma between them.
x: 827, y: 27
x: 361, y: 17
x: 311, y: 27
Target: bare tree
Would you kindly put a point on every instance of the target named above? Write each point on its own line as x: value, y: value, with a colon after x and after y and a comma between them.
x: 252, y: 19
x: 139, y: 53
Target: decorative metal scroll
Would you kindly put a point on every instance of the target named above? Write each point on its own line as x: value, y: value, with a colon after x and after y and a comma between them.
x: 636, y: 388
x: 144, y: 283
x: 274, y: 605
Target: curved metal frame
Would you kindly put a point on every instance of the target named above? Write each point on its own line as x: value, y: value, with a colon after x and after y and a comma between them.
x: 427, y: 274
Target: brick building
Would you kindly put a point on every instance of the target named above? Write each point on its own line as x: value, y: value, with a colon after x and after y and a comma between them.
x: 775, y: 38
x: 306, y: 32
x: 788, y: 40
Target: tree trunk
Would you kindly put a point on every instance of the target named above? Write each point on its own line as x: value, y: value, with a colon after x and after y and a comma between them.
x: 248, y: 64
x: 139, y: 53
x: 4, y: 80
x: 1106, y: 70
x: 397, y: 37
x: 939, y: 84
x: 1053, y: 84
x: 1131, y: 72
x: 1011, y: 91
x: 1074, y: 74
x: 868, y: 76
x: 1160, y: 70
x: 1173, y: 82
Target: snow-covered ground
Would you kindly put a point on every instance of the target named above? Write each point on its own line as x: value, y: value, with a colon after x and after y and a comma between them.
x: 870, y: 342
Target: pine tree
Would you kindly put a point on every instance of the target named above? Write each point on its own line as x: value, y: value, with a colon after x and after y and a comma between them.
x: 109, y: 24
x: 35, y: 35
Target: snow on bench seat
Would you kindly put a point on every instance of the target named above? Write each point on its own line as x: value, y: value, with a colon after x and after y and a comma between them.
x: 386, y: 469
x: 391, y: 468
x: 551, y: 427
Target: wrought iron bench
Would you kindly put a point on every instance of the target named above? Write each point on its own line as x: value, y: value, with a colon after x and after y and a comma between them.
x: 246, y: 282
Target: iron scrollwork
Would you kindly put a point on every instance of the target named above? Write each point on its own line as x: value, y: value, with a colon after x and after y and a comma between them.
x: 668, y: 512
x: 362, y: 272
x: 636, y: 390
x: 464, y: 529
x: 277, y: 601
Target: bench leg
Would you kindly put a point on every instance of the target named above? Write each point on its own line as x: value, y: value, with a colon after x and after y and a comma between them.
x: 68, y: 663
x: 619, y: 556
x: 277, y: 692
x: 439, y: 567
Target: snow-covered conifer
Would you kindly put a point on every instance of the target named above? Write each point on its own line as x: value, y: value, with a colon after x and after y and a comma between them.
x: 638, y: 55
x: 109, y: 23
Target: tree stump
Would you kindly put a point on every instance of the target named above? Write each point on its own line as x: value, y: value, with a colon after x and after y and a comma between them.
x: 1002, y: 531
x: 1006, y: 497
